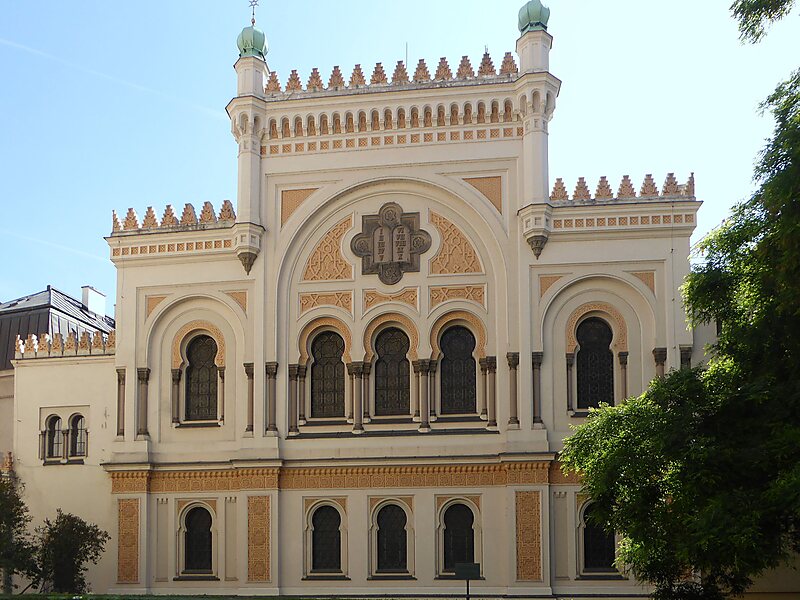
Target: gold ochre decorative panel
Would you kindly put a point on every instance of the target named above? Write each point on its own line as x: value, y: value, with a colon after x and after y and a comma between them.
x: 546, y: 282
x: 373, y: 298
x: 311, y: 300
x: 491, y: 187
x: 327, y: 263
x: 648, y: 278
x: 240, y: 298
x: 529, y: 536
x: 291, y: 201
x: 471, y: 293
x: 151, y: 303
x: 456, y: 253
x: 258, y: 538
x: 128, y: 540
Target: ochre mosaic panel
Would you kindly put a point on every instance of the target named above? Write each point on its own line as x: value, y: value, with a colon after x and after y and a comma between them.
x: 128, y: 540
x: 258, y: 538
x: 456, y: 253
x: 529, y: 536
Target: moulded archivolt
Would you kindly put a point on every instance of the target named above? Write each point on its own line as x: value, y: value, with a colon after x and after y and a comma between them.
x: 621, y: 341
x: 474, y: 324
x: 408, y: 326
x: 325, y: 322
x: 212, y: 330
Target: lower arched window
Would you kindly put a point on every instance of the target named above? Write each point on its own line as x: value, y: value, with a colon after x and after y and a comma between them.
x: 595, y: 363
x: 326, y: 540
x: 459, y: 537
x: 392, y: 373
x: 201, y: 379
x: 458, y: 384
x: 77, y: 436
x: 197, y: 541
x: 327, y: 376
x: 599, y: 546
x: 392, y: 540
x: 53, y: 441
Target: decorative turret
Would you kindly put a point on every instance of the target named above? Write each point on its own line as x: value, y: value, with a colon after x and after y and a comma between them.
x: 533, y: 17
x: 534, y: 43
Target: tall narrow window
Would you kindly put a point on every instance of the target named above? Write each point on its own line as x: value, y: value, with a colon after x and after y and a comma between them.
x: 392, y: 374
x: 77, y: 436
x: 326, y: 540
x: 458, y: 384
x: 595, y: 363
x: 392, y: 540
x: 53, y: 437
x: 599, y: 546
x: 198, y: 541
x: 459, y: 537
x: 327, y: 376
x: 201, y: 379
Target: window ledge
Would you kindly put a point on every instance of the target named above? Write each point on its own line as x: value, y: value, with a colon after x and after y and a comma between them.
x: 49, y: 462
x: 459, y: 419
x: 196, y: 578
x: 325, y: 577
x: 197, y: 424
x: 325, y: 422
x: 391, y: 577
x: 449, y: 577
x: 578, y: 414
x: 75, y: 461
x: 608, y: 576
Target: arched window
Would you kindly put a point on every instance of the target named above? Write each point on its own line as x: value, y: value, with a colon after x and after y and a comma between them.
x: 595, y: 363
x: 458, y: 382
x: 77, y: 436
x: 201, y: 379
x: 53, y: 437
x: 392, y: 373
x: 326, y: 540
x: 599, y: 546
x: 392, y: 540
x: 197, y: 541
x: 459, y: 537
x: 327, y: 376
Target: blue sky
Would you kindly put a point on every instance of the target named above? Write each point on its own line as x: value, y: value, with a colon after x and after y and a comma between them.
x: 106, y: 105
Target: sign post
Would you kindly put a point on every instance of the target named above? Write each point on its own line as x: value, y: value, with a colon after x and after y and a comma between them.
x: 467, y: 571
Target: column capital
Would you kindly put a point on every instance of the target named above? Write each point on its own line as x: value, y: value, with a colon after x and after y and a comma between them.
x: 248, y: 370
x: 536, y: 359
x: 660, y: 356
x: 570, y: 359
x: 513, y: 360
x: 176, y: 375
x: 623, y: 358
x: 491, y: 364
x: 484, y: 364
x: 121, y: 375
x: 272, y: 370
x: 294, y: 371
x: 433, y: 365
x: 143, y: 374
x: 366, y: 367
x: 417, y: 366
x: 355, y: 368
x: 301, y: 371
x: 686, y: 357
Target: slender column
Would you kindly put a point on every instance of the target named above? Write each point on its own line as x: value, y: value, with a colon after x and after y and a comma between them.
x: 350, y: 393
x: 144, y: 378
x: 301, y: 394
x: 121, y: 402
x: 623, y: 373
x: 272, y: 399
x: 176, y: 395
x: 686, y: 357
x: 660, y: 356
x: 570, y: 363
x: 424, y: 390
x: 358, y: 387
x: 248, y: 370
x: 221, y: 371
x: 293, y: 430
x: 65, y: 449
x: 435, y: 399
x: 415, y: 392
x: 491, y: 391
x: 482, y: 389
x: 536, y: 360
x: 513, y: 364
x: 365, y: 398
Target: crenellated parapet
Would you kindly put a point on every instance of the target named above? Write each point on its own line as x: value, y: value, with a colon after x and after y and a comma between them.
x: 625, y: 192
x: 170, y: 221
x: 58, y: 346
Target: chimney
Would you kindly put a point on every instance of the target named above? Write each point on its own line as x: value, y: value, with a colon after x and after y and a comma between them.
x: 94, y: 301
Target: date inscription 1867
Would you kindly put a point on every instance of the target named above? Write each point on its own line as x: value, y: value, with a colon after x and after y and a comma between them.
x: 390, y: 243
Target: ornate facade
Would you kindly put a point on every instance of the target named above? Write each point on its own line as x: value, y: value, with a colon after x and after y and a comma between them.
x: 362, y: 374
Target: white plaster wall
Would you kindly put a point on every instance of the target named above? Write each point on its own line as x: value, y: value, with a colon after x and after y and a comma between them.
x: 6, y: 411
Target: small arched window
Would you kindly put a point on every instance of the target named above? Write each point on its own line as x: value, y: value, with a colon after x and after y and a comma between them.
x: 458, y: 382
x: 392, y: 373
x: 595, y: 363
x: 392, y: 540
x: 197, y: 541
x: 77, y: 436
x: 53, y: 437
x: 326, y: 540
x: 599, y: 546
x: 327, y: 376
x: 459, y: 536
x: 201, y: 379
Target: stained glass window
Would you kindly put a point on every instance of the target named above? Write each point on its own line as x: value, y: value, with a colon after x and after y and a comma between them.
x: 198, y: 541
x: 459, y: 538
x: 598, y: 545
x: 392, y: 374
x: 458, y: 380
x: 392, y: 540
x: 595, y: 364
x: 77, y: 432
x: 201, y: 379
x: 326, y: 540
x: 327, y: 376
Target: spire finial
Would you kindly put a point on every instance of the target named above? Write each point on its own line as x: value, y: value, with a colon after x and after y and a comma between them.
x: 253, y: 5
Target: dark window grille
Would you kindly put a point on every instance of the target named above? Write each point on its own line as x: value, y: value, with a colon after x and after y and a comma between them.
x: 77, y: 439
x: 458, y: 382
x: 459, y: 538
x: 327, y: 376
x: 392, y: 540
x: 595, y: 364
x: 392, y: 374
x: 599, y: 546
x: 53, y: 434
x: 326, y: 540
x: 198, y: 541
x: 201, y: 379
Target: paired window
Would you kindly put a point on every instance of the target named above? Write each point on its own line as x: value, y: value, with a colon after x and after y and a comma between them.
x: 53, y: 437
x: 77, y: 437
x: 327, y: 376
x: 458, y: 382
x: 201, y: 379
x: 595, y: 364
x: 599, y: 546
x: 60, y: 443
x: 392, y: 373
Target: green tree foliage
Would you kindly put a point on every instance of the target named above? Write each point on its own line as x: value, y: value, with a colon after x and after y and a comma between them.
x: 16, y: 547
x: 65, y: 547
x: 701, y: 474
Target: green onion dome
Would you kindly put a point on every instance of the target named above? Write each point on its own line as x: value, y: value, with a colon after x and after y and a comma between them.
x: 533, y: 17
x: 252, y: 42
